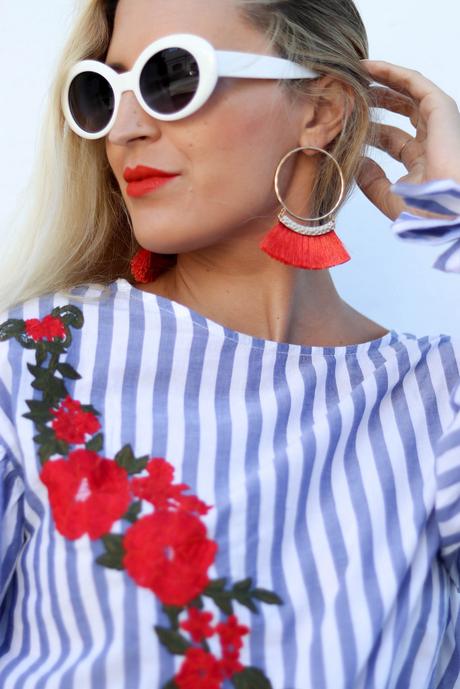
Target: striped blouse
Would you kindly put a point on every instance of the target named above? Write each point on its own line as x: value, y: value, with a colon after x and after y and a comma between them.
x: 184, y: 506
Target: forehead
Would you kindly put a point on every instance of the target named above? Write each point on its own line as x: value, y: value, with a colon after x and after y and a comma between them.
x: 140, y: 22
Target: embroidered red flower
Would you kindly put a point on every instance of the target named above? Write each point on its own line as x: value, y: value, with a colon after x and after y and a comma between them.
x: 200, y: 669
x: 87, y: 493
x: 198, y: 625
x: 46, y: 329
x: 230, y: 634
x: 230, y: 664
x: 169, y: 553
x: 72, y: 424
x: 158, y: 488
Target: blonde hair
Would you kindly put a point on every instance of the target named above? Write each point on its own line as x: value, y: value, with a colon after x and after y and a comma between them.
x: 77, y: 229
x: 329, y: 37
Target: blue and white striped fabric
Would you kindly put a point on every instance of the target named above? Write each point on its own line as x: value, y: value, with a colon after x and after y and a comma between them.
x: 443, y: 198
x: 334, y: 475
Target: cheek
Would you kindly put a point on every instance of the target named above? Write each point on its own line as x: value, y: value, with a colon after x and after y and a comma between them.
x: 245, y: 130
x: 114, y: 162
x: 241, y: 148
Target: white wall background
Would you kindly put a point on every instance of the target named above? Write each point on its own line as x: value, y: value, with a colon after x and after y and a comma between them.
x: 388, y: 280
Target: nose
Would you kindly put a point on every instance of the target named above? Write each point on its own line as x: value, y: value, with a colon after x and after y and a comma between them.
x: 132, y: 122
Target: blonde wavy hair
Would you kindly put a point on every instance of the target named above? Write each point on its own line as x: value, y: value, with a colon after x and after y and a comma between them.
x: 77, y: 229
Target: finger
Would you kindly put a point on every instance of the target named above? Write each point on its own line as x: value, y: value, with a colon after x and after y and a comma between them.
x: 383, y: 97
x: 407, y: 81
x: 375, y: 185
x: 398, y: 144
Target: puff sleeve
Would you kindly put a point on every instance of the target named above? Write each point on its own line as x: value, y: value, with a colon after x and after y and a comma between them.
x: 448, y: 495
x: 12, y: 534
x: 441, y: 197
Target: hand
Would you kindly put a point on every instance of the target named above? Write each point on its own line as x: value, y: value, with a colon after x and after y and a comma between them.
x: 434, y: 153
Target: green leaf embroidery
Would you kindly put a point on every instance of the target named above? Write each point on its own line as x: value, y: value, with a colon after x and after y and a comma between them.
x: 47, y: 450
x: 223, y: 600
x: 126, y: 459
x: 113, y: 543
x: 110, y: 560
x: 173, y: 612
x: 197, y: 603
x: 96, y: 444
x: 243, y: 585
x: 39, y: 411
x: 60, y: 346
x: 267, y: 597
x: 134, y: 510
x: 39, y: 373
x: 250, y: 678
x: 172, y: 640
x: 245, y: 599
x: 62, y: 447
x: 241, y: 592
x: 54, y: 387
x: 11, y: 328
x: 41, y: 354
x: 46, y: 435
x: 70, y: 315
x: 216, y: 585
x: 113, y: 557
x: 68, y: 371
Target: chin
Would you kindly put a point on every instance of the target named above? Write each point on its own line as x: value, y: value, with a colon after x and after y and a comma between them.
x: 161, y: 242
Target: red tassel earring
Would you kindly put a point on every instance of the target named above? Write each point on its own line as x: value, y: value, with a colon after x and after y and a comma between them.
x: 302, y: 246
x: 146, y: 266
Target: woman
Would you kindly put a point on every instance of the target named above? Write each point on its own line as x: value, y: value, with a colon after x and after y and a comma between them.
x: 215, y: 471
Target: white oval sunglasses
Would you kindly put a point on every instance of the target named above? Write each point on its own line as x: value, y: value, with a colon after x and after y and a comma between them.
x: 172, y: 78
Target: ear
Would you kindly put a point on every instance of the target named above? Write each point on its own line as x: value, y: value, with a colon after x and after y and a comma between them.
x: 326, y: 113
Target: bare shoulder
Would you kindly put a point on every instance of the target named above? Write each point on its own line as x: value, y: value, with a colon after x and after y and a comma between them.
x: 358, y: 328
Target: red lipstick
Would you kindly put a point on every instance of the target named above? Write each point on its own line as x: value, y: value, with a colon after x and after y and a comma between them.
x: 143, y: 180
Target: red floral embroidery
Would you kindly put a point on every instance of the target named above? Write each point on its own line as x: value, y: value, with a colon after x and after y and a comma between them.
x: 47, y: 328
x: 198, y: 625
x: 200, y: 669
x: 72, y: 424
x: 87, y: 493
x: 230, y: 634
x: 169, y: 553
x: 230, y: 664
x: 158, y: 489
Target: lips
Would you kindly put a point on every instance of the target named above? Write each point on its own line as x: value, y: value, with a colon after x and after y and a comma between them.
x: 142, y: 172
x: 142, y: 179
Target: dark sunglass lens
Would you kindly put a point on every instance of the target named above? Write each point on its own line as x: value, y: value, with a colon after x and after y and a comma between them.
x: 91, y: 101
x: 169, y: 80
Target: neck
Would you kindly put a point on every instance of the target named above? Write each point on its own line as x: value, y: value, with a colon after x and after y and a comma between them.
x: 245, y: 290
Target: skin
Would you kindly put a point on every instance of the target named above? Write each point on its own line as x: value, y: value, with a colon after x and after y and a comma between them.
x: 216, y: 213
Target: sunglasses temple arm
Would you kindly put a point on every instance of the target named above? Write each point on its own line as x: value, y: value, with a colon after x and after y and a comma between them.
x: 248, y: 65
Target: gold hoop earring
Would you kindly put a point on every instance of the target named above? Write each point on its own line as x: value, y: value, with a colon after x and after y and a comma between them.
x: 300, y: 245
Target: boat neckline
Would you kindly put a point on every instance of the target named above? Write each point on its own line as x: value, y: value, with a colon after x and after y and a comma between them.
x: 178, y: 309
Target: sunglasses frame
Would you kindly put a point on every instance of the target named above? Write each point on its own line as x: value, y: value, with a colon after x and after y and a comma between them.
x: 212, y: 64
